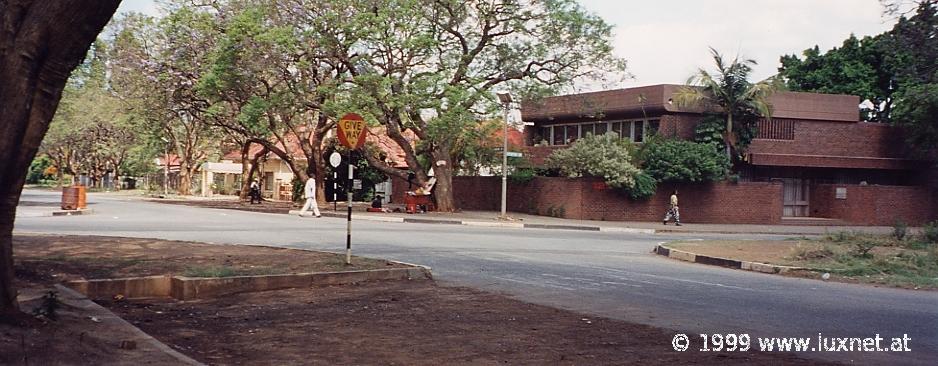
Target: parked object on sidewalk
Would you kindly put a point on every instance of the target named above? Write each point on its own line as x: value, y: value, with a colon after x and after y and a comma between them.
x: 74, y: 198
x: 420, y: 198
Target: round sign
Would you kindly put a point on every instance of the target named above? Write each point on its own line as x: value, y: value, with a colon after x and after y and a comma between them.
x: 335, y: 159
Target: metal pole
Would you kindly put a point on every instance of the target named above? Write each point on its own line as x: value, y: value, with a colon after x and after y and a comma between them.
x: 335, y: 190
x: 348, y: 230
x: 505, y: 165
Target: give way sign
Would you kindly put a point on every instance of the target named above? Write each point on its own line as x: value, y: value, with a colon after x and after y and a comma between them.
x: 352, y: 131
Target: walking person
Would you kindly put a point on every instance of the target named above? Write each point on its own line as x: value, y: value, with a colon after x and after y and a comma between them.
x: 255, y: 192
x: 673, y: 211
x: 309, y: 192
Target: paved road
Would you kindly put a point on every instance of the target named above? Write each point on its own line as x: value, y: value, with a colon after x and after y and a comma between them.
x: 606, y: 274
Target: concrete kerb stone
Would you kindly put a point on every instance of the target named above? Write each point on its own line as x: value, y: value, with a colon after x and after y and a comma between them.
x: 513, y: 225
x: 627, y: 230
x: 723, y: 262
x: 189, y: 288
x: 84, y: 211
x: 143, y: 339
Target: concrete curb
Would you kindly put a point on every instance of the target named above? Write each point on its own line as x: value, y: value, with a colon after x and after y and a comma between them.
x: 84, y: 211
x: 512, y: 225
x: 143, y: 338
x: 191, y: 288
x: 722, y: 262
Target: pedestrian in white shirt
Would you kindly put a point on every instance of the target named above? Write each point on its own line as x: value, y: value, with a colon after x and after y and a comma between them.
x: 309, y: 192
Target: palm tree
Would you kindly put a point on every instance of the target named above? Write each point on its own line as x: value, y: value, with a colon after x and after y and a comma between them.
x: 729, y: 93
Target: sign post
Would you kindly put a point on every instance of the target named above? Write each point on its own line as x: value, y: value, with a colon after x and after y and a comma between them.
x: 352, y: 135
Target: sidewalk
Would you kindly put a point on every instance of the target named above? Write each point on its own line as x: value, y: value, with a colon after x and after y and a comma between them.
x: 520, y: 220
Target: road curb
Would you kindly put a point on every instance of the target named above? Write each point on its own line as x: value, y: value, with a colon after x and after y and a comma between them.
x: 105, y: 315
x: 722, y: 262
x: 512, y: 225
x: 84, y: 211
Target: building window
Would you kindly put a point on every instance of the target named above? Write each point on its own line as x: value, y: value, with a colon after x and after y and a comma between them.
x: 600, y: 128
x: 586, y: 129
x: 572, y: 132
x: 559, y: 137
x: 566, y: 134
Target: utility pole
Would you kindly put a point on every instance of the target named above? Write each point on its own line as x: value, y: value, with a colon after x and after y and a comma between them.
x: 505, y: 98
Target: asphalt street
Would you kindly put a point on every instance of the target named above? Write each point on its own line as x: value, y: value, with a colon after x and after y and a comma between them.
x: 604, y: 274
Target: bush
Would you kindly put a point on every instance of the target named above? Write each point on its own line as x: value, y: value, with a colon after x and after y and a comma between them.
x: 930, y: 232
x: 900, y: 230
x: 606, y: 156
x: 710, y: 131
x: 684, y: 161
x: 522, y: 175
x: 644, y: 187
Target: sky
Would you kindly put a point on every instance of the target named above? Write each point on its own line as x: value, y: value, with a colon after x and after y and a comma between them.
x: 666, y: 41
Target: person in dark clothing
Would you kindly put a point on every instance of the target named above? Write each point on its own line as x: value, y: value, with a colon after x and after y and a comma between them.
x: 255, y: 192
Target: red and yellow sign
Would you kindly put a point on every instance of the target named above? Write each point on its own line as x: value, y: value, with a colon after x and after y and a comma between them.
x: 352, y: 131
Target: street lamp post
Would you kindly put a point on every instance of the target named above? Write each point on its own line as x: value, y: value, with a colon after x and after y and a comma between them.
x: 505, y: 98
x: 165, y: 167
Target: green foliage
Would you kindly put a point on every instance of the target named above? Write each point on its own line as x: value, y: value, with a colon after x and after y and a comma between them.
x: 917, y: 112
x: 37, y: 169
x: 297, y: 187
x: 683, y: 161
x: 730, y: 94
x: 522, y: 175
x: 606, y: 156
x: 710, y: 131
x: 894, y: 70
x: 645, y: 186
x: 856, y: 68
x: 930, y: 232
x: 900, y: 230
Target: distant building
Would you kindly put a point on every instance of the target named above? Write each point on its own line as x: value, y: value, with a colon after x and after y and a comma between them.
x: 826, y: 163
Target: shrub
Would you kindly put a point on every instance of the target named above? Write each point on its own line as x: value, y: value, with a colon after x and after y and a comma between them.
x: 522, y: 175
x: 863, y: 246
x: 710, y: 131
x: 644, y: 187
x: 900, y: 230
x: 606, y: 156
x: 930, y: 232
x: 684, y: 161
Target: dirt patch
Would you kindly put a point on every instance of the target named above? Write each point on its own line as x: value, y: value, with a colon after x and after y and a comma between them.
x: 73, y: 338
x: 45, y: 259
x: 405, y: 323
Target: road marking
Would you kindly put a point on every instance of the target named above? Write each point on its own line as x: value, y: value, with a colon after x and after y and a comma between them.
x: 620, y: 283
x: 543, y: 284
x: 678, y: 279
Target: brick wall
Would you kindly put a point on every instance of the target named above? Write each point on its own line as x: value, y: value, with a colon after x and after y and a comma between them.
x: 875, y: 205
x: 591, y: 199
x: 836, y: 139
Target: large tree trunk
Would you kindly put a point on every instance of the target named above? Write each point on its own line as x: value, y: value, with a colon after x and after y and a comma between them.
x: 41, y: 42
x: 443, y: 190
x: 245, y: 171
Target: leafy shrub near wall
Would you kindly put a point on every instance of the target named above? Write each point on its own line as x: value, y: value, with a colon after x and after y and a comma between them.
x: 683, y: 161
x: 606, y: 156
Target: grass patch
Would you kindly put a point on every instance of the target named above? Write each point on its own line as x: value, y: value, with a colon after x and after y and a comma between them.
x: 229, y: 271
x: 895, y: 260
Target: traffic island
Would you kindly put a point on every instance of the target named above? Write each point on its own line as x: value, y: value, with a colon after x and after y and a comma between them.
x: 852, y: 257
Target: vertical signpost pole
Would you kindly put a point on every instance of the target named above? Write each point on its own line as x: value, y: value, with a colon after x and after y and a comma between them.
x: 348, y: 231
x: 352, y: 130
x: 335, y: 190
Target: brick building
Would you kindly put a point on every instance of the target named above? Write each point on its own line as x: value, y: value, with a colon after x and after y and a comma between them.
x: 814, y: 161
